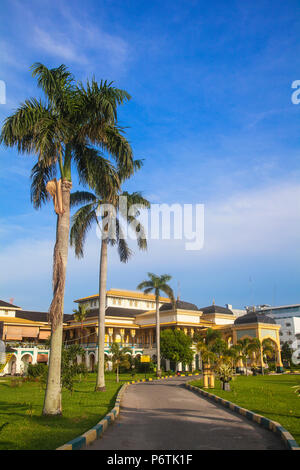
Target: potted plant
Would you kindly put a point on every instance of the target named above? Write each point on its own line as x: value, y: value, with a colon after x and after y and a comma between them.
x: 224, y: 374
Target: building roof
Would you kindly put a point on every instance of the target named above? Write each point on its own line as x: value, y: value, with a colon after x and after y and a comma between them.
x: 20, y: 321
x: 131, y: 294
x: 269, y: 307
x: 254, y: 317
x: 7, y: 305
x: 112, y: 312
x: 38, y: 316
x: 179, y: 304
x: 216, y: 309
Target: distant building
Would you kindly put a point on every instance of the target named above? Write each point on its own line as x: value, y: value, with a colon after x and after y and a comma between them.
x: 288, y: 317
x: 25, y: 332
x: 238, y: 312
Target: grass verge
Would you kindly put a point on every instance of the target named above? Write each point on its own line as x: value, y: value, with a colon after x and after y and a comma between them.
x: 269, y: 396
x: 21, y: 405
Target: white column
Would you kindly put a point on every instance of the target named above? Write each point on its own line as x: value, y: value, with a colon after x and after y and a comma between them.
x: 35, y: 353
x: 86, y: 359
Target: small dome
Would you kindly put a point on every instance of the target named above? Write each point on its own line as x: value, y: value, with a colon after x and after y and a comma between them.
x: 216, y: 309
x: 254, y: 317
x: 179, y: 304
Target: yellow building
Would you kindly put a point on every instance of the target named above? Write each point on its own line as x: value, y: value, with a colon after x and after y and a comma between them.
x: 130, y: 320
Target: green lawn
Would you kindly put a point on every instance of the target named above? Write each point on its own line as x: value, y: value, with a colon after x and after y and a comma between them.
x: 21, y: 407
x: 270, y: 396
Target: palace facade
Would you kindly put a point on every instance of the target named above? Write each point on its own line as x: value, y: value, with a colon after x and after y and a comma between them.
x: 130, y: 321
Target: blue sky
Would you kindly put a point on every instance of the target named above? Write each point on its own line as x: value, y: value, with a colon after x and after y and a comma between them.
x: 211, y: 113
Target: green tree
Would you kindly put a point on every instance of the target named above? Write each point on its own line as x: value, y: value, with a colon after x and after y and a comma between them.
x: 80, y: 314
x: 268, y: 349
x: 176, y: 346
x: 219, y: 347
x: 120, y: 358
x: 233, y: 354
x: 209, y: 345
x: 157, y: 284
x: 287, y: 353
x: 64, y: 130
x: 103, y: 209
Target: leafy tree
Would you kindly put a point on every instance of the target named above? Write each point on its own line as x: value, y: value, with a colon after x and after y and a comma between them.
x: 70, y: 369
x: 70, y: 128
x: 287, y: 353
x: 120, y: 358
x: 157, y: 284
x: 102, y: 208
x: 176, y: 346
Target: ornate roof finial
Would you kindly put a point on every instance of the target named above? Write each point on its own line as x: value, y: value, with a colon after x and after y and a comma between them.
x: 213, y: 302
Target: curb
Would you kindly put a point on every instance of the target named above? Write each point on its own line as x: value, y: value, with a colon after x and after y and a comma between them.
x: 97, y: 431
x: 266, y: 423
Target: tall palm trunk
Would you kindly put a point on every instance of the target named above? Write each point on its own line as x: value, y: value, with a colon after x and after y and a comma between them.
x: 100, y: 385
x: 52, y: 402
x: 158, y: 372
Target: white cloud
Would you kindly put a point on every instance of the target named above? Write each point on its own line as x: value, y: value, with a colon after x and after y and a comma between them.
x: 82, y: 43
x: 256, y: 221
x: 58, y: 45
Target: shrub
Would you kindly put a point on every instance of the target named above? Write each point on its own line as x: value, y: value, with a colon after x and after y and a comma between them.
x: 36, y: 370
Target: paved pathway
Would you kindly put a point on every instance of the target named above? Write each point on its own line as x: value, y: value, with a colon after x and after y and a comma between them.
x: 165, y: 415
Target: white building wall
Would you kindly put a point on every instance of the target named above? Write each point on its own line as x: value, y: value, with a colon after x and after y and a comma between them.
x: 290, y: 333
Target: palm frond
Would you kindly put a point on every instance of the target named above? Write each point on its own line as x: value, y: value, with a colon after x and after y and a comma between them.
x: 145, y: 285
x: 118, y: 147
x: 82, y: 221
x: 82, y: 197
x: 58, y: 86
x: 123, y: 249
x: 40, y: 175
x: 95, y: 170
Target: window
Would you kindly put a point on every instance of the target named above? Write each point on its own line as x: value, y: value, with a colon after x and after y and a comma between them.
x: 287, y: 324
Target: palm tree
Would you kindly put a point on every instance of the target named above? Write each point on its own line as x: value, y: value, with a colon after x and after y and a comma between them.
x: 61, y: 129
x: 156, y: 284
x: 233, y: 354
x: 254, y: 348
x: 206, y: 346
x: 244, y: 343
x: 120, y: 358
x: 80, y: 314
x: 82, y: 221
x: 268, y: 349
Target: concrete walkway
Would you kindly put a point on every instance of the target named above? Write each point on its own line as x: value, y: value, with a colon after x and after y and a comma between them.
x: 165, y: 415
